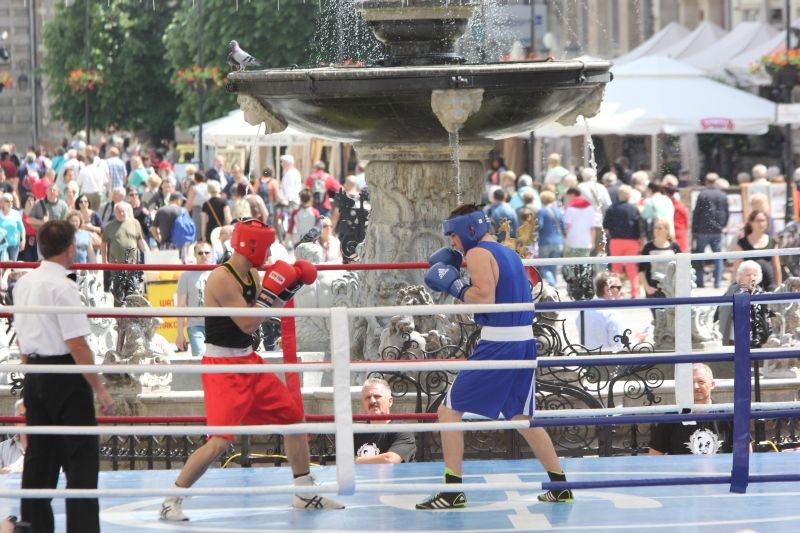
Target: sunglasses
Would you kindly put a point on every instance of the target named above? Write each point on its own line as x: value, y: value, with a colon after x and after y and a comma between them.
x: 202, y: 253
x: 618, y: 287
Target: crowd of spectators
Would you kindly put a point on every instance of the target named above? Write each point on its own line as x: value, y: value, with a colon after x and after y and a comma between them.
x: 627, y: 213
x: 127, y: 201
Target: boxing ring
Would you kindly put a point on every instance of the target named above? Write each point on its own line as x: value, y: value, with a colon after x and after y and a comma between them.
x: 731, y: 492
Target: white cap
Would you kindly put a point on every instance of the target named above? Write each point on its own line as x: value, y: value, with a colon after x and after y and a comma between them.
x: 288, y: 158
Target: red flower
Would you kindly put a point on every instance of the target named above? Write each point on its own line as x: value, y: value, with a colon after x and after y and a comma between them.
x: 197, y: 78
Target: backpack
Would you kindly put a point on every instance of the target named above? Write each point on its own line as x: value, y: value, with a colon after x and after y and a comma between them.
x: 183, y: 230
x: 318, y: 190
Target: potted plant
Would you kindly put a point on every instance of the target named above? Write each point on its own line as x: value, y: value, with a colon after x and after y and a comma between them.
x: 782, y: 65
x: 6, y: 80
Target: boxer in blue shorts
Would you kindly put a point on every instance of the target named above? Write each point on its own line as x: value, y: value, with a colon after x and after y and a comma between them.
x: 496, y: 276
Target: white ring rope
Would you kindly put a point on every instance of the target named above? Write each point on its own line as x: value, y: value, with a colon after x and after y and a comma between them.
x: 426, y: 365
x: 601, y: 260
x: 476, y: 423
x: 355, y: 366
x: 412, y: 310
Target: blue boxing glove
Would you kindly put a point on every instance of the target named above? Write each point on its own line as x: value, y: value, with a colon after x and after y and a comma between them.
x: 448, y: 256
x: 446, y: 278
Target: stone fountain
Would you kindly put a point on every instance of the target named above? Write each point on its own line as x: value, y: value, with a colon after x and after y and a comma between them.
x: 424, y: 119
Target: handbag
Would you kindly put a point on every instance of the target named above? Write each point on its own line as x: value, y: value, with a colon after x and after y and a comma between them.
x: 214, y: 213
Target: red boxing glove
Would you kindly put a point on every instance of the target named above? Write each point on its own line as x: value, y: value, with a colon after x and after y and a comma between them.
x: 281, y: 276
x: 306, y: 275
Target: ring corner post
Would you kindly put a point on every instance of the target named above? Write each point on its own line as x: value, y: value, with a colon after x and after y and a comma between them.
x: 684, y: 394
x: 740, y: 470
x: 342, y: 400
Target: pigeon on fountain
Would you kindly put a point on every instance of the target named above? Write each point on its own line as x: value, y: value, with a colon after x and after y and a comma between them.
x: 239, y: 59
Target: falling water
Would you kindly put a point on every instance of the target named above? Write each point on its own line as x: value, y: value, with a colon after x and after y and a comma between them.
x: 341, y: 34
x: 589, y: 145
x: 455, y: 160
x: 590, y: 161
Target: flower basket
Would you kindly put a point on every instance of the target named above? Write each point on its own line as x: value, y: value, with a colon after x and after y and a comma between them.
x: 6, y: 80
x: 198, y: 79
x: 782, y: 65
x: 81, y: 79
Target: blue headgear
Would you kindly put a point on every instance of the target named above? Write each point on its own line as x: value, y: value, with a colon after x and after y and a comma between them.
x: 470, y: 228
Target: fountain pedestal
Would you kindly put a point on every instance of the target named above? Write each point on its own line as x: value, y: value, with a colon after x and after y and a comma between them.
x: 412, y: 189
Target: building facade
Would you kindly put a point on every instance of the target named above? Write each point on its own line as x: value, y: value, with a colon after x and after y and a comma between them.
x: 610, y: 28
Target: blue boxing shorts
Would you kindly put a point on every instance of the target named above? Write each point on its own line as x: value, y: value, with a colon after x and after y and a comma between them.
x: 492, y: 393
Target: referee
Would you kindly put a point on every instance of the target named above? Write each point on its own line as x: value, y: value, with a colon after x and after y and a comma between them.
x: 58, y: 399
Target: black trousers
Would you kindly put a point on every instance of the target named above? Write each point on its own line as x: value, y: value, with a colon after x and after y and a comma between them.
x: 60, y: 400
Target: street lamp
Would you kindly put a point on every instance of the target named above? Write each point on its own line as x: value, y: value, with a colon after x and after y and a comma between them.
x: 789, y: 83
x: 87, y: 58
x: 201, y: 94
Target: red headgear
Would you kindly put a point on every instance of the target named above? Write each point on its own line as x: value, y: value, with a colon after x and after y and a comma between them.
x: 252, y: 238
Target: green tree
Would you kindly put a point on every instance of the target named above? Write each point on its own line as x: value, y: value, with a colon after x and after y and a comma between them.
x: 278, y: 32
x: 127, y: 47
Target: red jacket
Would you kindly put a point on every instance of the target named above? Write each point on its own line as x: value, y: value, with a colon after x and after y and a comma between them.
x: 681, y: 222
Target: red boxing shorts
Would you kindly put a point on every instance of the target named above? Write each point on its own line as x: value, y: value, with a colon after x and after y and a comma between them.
x: 249, y: 399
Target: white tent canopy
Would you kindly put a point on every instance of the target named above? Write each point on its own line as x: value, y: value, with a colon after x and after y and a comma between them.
x: 669, y: 35
x: 654, y: 95
x: 744, y: 37
x: 232, y: 129
x: 704, y: 35
x: 234, y: 138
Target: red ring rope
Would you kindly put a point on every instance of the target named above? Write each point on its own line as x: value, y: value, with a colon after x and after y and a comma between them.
x: 134, y: 420
x: 181, y: 267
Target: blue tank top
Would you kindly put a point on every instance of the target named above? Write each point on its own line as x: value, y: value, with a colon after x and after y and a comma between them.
x: 513, y: 287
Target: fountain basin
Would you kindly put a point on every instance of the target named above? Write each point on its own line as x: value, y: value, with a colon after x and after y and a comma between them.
x: 393, y: 104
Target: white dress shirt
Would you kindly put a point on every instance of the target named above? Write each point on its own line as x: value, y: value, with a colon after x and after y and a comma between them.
x: 602, y: 325
x: 93, y: 179
x: 12, y: 454
x: 46, y: 333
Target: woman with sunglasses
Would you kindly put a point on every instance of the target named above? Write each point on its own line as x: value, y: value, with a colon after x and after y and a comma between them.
x: 331, y: 247
x: 90, y: 220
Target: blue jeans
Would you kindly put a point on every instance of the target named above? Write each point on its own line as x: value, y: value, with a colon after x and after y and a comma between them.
x: 715, y: 242
x: 12, y: 252
x: 550, y: 251
x: 197, y: 340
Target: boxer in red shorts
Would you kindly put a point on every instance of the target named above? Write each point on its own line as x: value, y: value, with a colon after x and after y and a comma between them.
x: 247, y: 398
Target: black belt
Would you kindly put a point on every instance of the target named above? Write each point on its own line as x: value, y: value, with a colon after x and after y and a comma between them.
x: 39, y: 359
